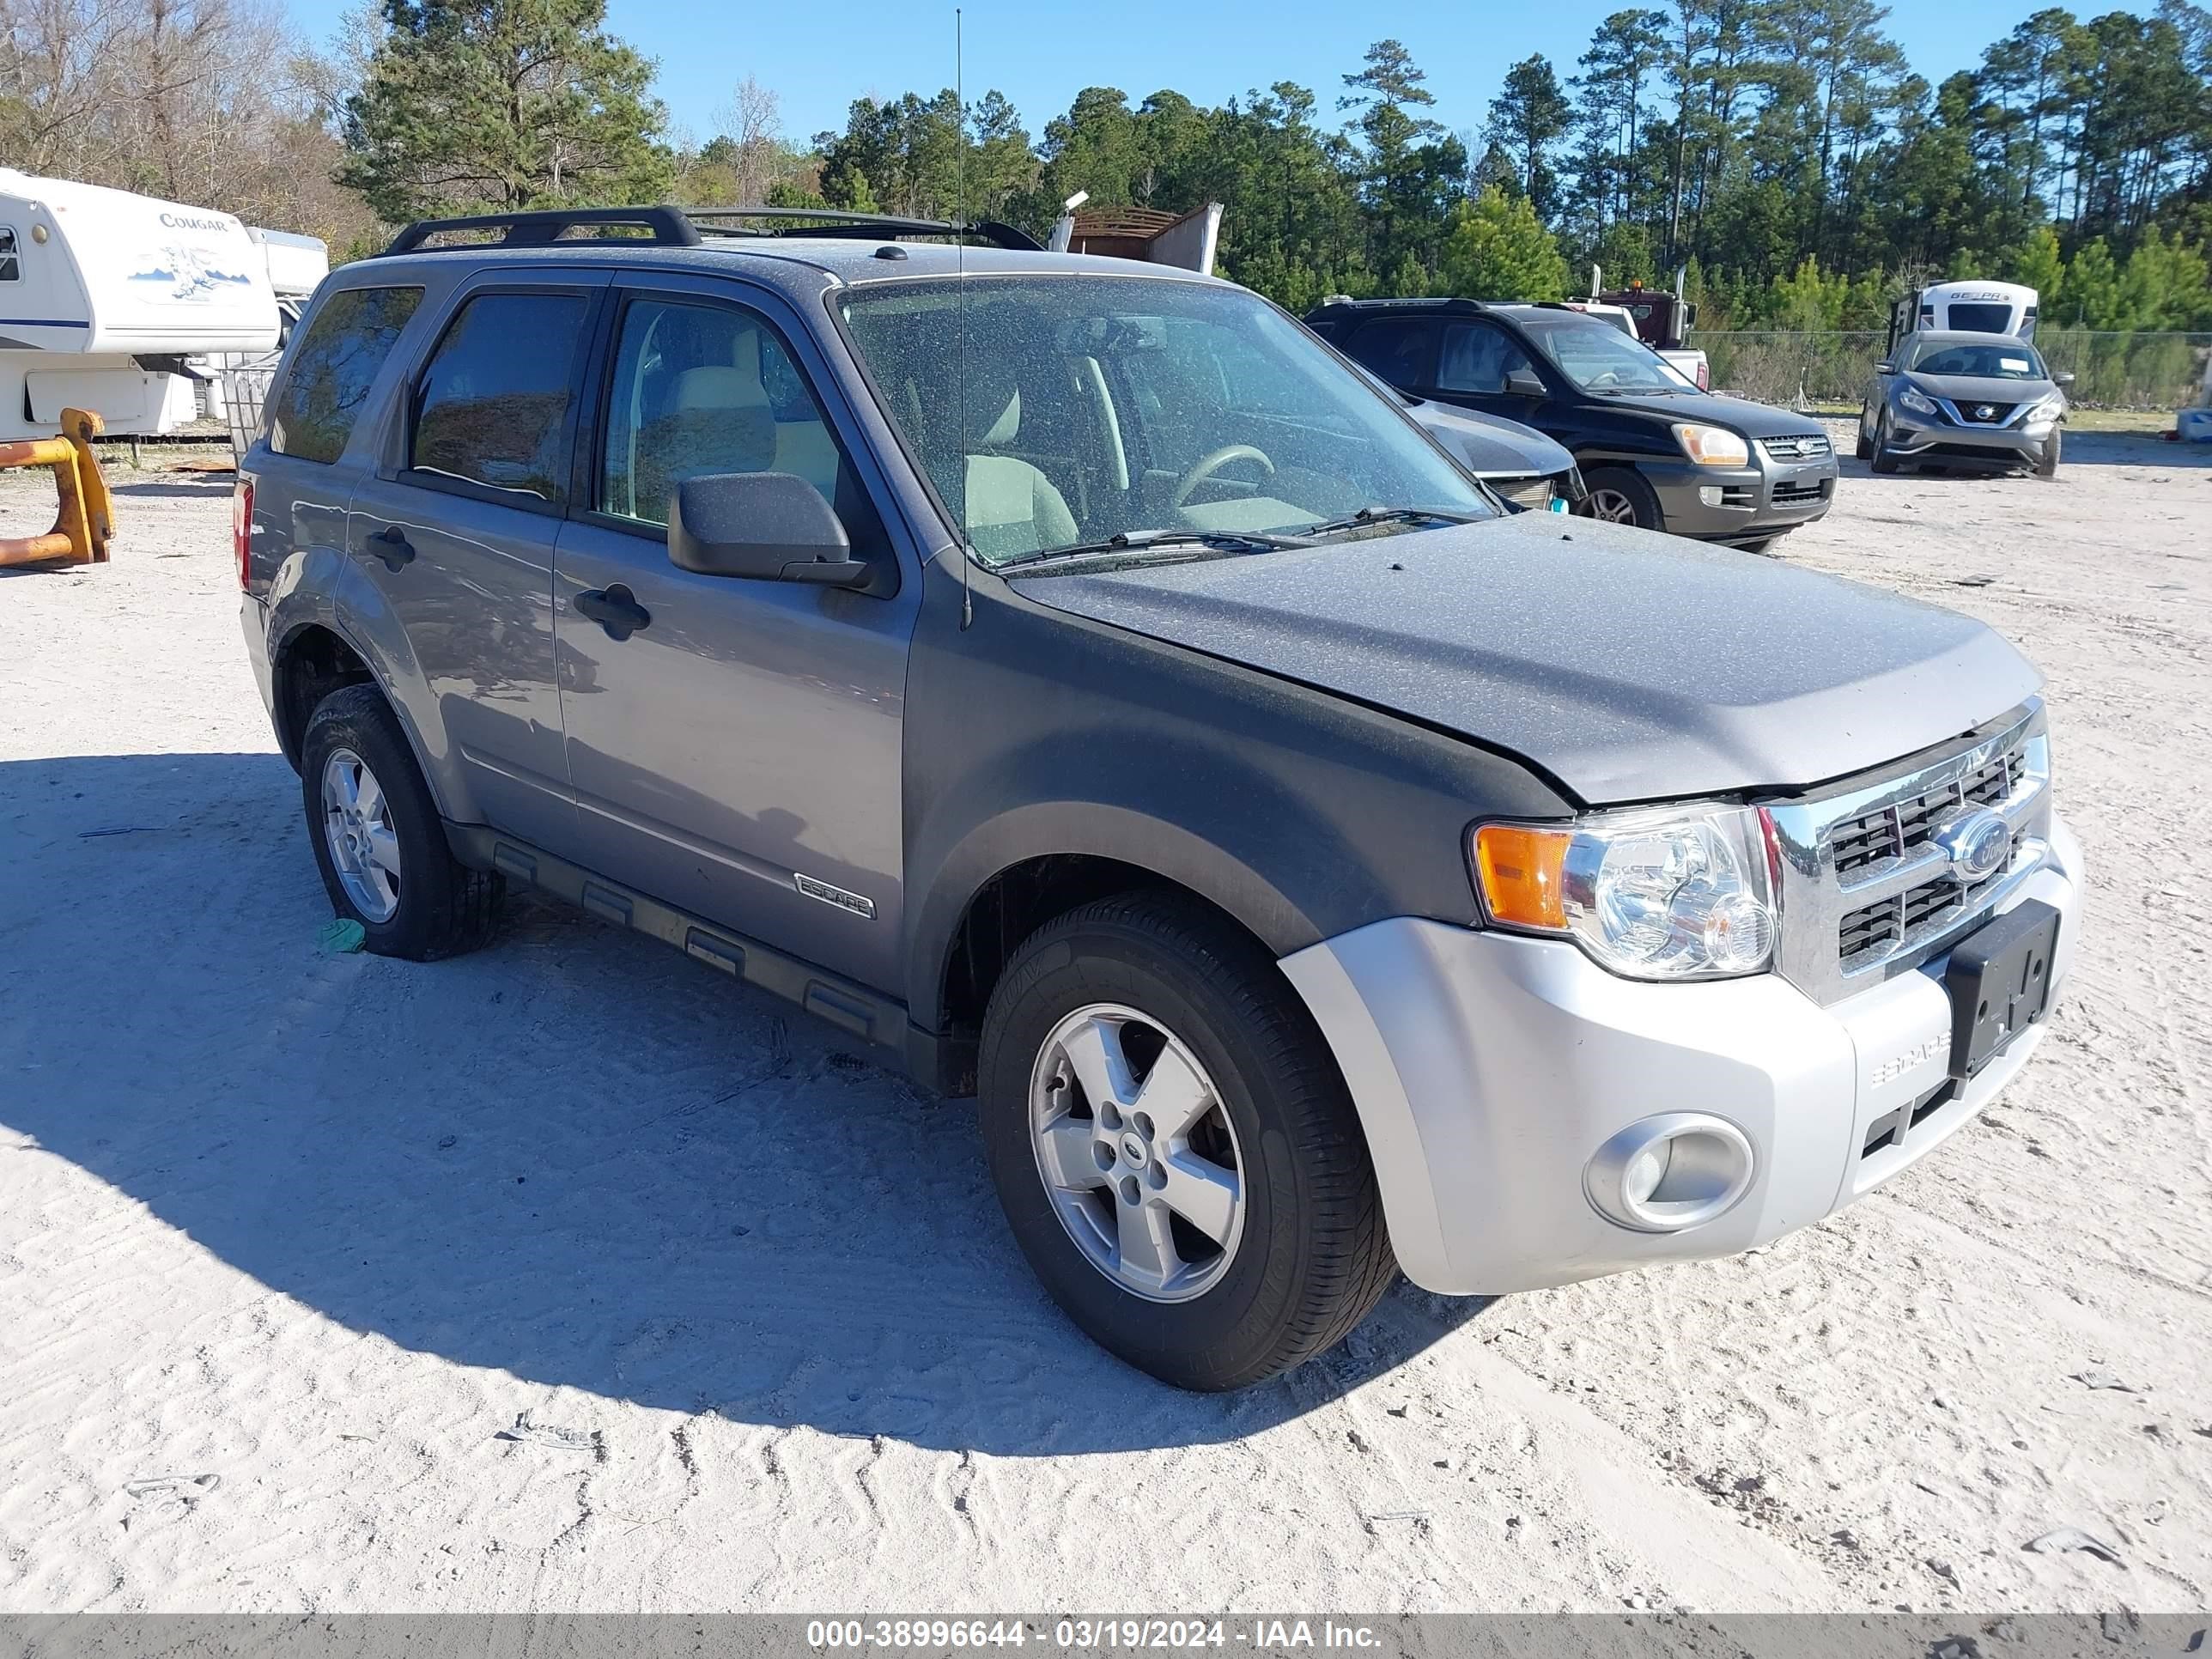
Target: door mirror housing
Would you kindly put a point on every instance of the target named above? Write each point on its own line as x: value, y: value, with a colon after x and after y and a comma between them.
x: 1885, y: 367
x: 1524, y: 383
x: 2061, y: 379
x: 764, y: 526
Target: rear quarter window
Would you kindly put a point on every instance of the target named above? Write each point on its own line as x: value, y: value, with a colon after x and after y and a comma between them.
x: 327, y: 385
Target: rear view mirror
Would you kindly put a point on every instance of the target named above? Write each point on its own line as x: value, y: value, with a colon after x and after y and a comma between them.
x: 2061, y: 379
x: 1524, y: 383
x: 767, y: 526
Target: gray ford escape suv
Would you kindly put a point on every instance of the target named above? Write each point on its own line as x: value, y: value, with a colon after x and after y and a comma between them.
x: 1072, y: 680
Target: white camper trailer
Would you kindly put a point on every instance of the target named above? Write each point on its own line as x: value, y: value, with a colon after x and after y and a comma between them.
x: 1965, y: 308
x: 103, y: 295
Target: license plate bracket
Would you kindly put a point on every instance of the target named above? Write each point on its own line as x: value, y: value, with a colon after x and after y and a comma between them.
x: 1999, y: 980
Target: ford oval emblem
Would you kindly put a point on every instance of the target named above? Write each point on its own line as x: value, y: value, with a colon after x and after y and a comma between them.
x: 1977, y: 843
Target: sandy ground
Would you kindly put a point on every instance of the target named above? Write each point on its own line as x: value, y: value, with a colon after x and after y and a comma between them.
x: 565, y: 1277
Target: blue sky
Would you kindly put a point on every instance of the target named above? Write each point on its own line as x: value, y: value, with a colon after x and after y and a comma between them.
x: 819, y: 58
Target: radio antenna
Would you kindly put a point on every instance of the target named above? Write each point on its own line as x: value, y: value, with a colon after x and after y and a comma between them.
x: 960, y: 315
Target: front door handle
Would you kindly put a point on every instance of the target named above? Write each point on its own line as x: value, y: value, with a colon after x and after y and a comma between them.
x: 615, y: 609
x: 391, y: 544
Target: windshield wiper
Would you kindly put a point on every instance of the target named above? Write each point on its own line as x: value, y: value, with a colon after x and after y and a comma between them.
x: 1144, y: 541
x: 1372, y: 515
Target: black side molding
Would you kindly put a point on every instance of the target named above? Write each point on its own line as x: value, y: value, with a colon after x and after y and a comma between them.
x: 869, y: 1015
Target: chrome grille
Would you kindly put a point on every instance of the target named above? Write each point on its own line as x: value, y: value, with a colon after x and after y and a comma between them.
x: 1894, y: 831
x: 1798, y: 447
x: 1534, y: 494
x: 1866, y: 889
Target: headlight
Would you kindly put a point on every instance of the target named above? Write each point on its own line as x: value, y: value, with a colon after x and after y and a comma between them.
x: 1713, y: 446
x: 1663, y: 893
x: 2051, y: 408
x: 1916, y: 400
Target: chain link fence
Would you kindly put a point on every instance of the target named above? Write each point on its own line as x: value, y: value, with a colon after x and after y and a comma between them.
x: 1818, y: 370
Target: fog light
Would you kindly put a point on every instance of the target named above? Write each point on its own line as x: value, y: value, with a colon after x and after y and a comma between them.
x: 1709, y: 495
x: 1670, y: 1173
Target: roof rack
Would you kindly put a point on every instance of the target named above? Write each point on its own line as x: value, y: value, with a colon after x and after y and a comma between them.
x: 676, y: 226
x: 1345, y: 301
x: 540, y: 227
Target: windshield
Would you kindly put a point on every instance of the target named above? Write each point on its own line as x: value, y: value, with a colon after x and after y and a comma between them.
x: 1100, y: 408
x: 1971, y: 318
x: 1598, y: 357
x: 2009, y: 360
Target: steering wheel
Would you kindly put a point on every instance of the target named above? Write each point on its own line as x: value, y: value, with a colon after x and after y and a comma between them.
x: 1213, y: 463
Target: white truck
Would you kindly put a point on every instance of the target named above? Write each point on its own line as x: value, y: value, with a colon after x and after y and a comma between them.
x: 104, y: 295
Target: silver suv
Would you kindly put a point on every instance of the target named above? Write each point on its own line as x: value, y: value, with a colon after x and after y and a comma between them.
x: 1074, y: 682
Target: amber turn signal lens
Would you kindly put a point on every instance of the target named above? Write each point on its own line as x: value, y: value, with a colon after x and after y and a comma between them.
x: 1519, y: 871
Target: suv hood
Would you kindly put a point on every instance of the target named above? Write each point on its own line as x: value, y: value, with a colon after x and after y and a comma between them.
x: 1629, y: 666
x: 1983, y: 389
x: 1753, y: 420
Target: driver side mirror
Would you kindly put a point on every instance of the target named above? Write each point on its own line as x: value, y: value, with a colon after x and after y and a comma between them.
x: 765, y: 526
x: 2061, y: 379
x: 1885, y: 368
x: 1524, y: 383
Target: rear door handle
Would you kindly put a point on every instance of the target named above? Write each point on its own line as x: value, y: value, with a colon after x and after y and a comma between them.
x: 615, y: 609
x: 391, y: 544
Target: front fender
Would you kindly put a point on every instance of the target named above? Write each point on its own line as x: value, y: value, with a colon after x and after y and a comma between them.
x: 1087, y: 829
x: 1032, y: 732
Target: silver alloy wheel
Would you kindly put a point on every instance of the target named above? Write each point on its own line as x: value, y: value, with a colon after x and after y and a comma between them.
x: 1137, y: 1153
x: 1612, y: 506
x: 357, y: 827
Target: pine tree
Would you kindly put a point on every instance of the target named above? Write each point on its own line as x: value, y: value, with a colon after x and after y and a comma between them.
x: 1499, y: 250
x: 1527, y: 120
x: 502, y: 104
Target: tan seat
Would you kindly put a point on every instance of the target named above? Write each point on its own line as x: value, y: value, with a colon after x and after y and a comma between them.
x: 1013, y: 508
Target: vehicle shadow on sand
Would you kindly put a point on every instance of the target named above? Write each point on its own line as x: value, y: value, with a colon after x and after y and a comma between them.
x: 576, y: 1156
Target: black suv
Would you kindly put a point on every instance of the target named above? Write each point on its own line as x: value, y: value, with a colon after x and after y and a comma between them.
x: 1654, y: 451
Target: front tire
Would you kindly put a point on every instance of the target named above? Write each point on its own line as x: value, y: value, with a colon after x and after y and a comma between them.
x: 1619, y: 495
x: 2046, y: 465
x: 377, y: 838
x: 1174, y: 1147
x: 1884, y: 462
x: 1864, y: 448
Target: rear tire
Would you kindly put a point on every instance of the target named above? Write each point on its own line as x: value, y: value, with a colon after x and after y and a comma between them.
x: 378, y: 838
x: 1103, y: 1021
x: 1619, y: 495
x: 1864, y: 446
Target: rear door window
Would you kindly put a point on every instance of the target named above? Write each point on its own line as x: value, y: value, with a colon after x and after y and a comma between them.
x: 494, y: 404
x: 1401, y: 349
x: 328, y: 384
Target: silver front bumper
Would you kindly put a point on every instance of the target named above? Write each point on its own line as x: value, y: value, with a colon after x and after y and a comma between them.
x: 1490, y: 1070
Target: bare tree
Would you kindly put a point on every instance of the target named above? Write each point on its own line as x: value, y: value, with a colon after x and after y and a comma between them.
x: 750, y: 143
x: 213, y: 102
